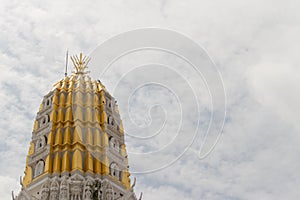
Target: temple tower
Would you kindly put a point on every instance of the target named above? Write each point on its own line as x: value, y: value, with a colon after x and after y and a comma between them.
x: 77, y: 151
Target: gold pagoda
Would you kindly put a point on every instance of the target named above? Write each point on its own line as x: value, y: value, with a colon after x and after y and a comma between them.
x: 77, y: 151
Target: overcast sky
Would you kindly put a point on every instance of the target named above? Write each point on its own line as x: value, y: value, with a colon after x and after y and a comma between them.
x: 254, y: 45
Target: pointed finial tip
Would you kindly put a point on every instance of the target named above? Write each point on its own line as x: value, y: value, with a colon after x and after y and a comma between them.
x: 80, y: 64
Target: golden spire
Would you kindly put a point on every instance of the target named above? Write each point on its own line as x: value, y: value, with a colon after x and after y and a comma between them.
x: 78, y: 139
x: 80, y: 64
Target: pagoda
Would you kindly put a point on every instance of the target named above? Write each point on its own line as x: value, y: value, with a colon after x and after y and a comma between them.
x: 77, y: 150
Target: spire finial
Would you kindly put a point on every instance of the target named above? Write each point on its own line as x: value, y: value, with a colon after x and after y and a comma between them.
x: 80, y: 64
x: 67, y: 57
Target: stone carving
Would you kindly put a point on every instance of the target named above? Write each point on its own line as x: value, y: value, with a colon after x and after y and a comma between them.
x: 45, y: 191
x: 64, y: 190
x: 23, y: 195
x: 87, y: 193
x: 76, y: 188
x: 54, y: 189
x: 100, y: 191
x: 109, y: 193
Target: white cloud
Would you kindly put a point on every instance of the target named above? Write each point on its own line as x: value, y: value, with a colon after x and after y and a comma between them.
x: 275, y: 86
x: 255, y: 45
x: 7, y: 185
